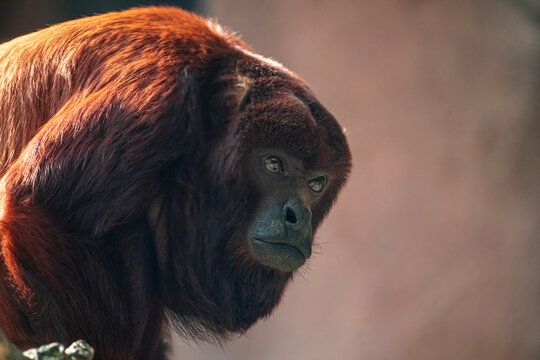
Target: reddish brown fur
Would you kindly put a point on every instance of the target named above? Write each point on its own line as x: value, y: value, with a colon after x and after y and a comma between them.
x: 121, y: 200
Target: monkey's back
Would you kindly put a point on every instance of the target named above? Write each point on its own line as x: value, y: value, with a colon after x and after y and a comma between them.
x: 138, y: 51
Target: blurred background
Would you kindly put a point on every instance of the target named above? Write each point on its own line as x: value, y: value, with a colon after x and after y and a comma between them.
x: 433, y: 249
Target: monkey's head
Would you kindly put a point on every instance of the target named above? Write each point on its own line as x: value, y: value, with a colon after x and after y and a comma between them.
x: 275, y: 162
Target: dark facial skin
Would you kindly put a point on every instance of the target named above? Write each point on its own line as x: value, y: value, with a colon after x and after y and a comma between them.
x: 281, y: 234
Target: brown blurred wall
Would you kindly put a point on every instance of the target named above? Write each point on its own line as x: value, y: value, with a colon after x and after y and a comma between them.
x: 433, y: 250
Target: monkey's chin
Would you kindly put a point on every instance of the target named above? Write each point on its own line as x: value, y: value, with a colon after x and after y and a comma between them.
x: 279, y: 256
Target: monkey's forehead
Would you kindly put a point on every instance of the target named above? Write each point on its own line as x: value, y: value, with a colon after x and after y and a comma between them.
x: 284, y: 121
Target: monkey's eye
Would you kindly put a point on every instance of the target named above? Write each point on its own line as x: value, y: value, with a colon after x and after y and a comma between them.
x: 274, y: 164
x: 317, y: 184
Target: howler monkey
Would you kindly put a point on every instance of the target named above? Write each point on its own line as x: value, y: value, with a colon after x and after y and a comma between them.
x: 153, y: 167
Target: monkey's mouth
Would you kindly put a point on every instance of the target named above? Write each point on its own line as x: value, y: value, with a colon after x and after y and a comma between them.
x: 277, y: 255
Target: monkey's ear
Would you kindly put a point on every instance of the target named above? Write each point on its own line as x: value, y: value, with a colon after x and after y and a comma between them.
x: 228, y: 98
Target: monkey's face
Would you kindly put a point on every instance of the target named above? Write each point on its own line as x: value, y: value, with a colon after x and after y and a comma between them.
x: 281, y: 234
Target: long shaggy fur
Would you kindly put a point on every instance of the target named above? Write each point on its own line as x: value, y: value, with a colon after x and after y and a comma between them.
x: 124, y: 195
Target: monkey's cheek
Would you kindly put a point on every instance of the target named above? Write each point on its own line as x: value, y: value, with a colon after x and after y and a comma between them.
x: 279, y: 256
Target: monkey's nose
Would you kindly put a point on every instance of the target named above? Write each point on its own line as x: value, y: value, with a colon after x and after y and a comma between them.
x: 297, y: 219
x: 296, y: 215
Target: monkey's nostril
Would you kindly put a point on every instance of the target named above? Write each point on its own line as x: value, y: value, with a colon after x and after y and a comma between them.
x: 290, y: 217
